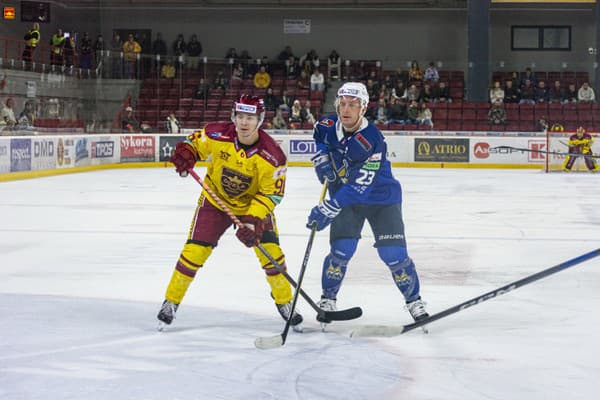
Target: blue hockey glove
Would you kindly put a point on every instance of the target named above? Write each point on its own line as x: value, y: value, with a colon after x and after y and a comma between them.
x: 323, y: 214
x: 323, y: 167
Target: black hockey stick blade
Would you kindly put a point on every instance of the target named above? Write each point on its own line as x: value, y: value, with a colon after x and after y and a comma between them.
x: 341, y: 315
x: 395, y: 330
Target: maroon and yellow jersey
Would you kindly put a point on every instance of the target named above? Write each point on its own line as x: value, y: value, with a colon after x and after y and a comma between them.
x: 250, y: 181
x: 582, y: 144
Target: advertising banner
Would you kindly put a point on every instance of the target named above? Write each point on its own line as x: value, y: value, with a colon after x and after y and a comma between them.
x: 441, y: 150
x: 65, y: 152
x: 82, y: 151
x: 483, y: 150
x: 166, y: 146
x: 44, y: 153
x: 4, y: 155
x: 301, y: 148
x: 137, y: 148
x: 104, y: 149
x: 20, y: 155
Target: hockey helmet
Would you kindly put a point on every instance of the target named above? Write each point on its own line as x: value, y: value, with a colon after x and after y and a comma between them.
x: 354, y: 89
x: 249, y: 104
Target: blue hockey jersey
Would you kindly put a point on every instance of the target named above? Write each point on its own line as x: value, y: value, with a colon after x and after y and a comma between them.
x: 364, y: 174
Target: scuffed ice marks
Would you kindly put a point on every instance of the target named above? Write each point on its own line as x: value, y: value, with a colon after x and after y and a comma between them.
x: 104, y: 349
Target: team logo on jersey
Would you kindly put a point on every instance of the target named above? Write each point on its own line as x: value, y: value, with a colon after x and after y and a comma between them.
x: 363, y: 142
x: 327, y: 122
x: 214, y: 135
x: 234, y: 183
x: 225, y: 155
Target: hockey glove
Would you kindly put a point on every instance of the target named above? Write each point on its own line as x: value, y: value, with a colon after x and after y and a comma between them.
x: 184, y: 158
x: 323, y: 214
x: 252, y: 231
x: 323, y: 167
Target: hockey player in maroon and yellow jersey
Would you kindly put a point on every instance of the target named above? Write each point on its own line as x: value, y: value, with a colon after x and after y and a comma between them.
x: 247, y: 171
x: 580, y: 143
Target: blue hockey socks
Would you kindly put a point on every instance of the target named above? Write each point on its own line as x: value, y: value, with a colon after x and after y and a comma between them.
x: 403, y: 270
x: 334, y: 266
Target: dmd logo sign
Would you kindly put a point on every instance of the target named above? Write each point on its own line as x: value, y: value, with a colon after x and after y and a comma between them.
x: 20, y: 155
x: 44, y: 153
x: 303, y: 147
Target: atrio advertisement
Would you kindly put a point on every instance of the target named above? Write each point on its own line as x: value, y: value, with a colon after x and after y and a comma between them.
x: 441, y: 150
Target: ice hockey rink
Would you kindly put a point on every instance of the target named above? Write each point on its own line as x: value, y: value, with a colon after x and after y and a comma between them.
x: 85, y: 260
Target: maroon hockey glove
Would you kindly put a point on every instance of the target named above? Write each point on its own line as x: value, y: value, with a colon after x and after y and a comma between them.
x: 252, y: 231
x: 184, y: 158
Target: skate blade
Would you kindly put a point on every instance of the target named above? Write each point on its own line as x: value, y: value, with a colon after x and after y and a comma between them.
x: 298, y: 328
x: 161, y: 326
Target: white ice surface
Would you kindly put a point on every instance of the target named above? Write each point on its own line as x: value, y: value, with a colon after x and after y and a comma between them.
x: 85, y: 260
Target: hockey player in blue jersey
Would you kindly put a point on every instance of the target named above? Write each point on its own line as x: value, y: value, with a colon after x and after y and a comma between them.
x: 351, y: 156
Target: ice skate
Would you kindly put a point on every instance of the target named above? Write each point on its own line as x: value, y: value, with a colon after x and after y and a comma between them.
x: 326, y: 305
x: 417, y: 311
x: 166, y: 315
x: 284, y: 311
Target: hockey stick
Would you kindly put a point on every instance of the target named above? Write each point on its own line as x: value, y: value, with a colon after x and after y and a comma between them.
x: 279, y: 340
x: 342, y: 315
x: 558, y: 153
x: 391, y: 330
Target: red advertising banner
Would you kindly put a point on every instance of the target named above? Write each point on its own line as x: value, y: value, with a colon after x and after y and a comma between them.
x: 136, y: 148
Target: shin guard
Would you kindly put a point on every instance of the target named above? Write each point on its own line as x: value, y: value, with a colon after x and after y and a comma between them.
x: 403, y: 270
x: 191, y: 259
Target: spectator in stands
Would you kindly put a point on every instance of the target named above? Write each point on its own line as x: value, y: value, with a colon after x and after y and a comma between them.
x: 231, y: 53
x: 26, y: 119
x: 388, y: 82
x: 278, y: 121
x: 542, y: 124
x: 194, y: 50
x: 291, y: 68
x: 128, y: 123
x: 541, y: 93
x: 98, y: 47
x: 309, y: 61
x: 511, y: 93
x: 303, y: 81
x: 131, y: 49
x: 372, y: 90
x: 32, y: 38
x: 334, y: 65
x: 380, y: 113
x: 201, y: 91
x: 556, y: 93
x: 57, y: 44
x: 571, y: 94
x: 442, y: 95
x: 238, y: 72
x: 586, y: 94
x: 179, y: 45
x: 496, y: 93
x: 412, y: 113
x: 516, y: 81
x: 528, y: 75
x: 262, y: 79
x: 285, y: 54
x: 401, y: 75
x: 399, y: 90
x: 271, y: 101
x: 527, y: 93
x: 295, y: 116
x: 384, y: 93
x: 159, y: 47
x: 307, y: 115
x: 8, y: 115
x: 317, y: 81
x: 286, y: 101
x: 85, y: 52
x: 116, y: 48
x: 426, y: 93
x: 414, y: 72
x: 497, y: 114
x: 172, y: 124
x: 431, y: 74
x: 413, y: 93
x: 220, y: 81
x: 425, y: 115
x: 69, y: 51
x: 168, y: 70
x: 396, y: 111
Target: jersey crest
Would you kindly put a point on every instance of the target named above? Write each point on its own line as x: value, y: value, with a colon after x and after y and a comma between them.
x: 327, y: 122
x: 234, y: 183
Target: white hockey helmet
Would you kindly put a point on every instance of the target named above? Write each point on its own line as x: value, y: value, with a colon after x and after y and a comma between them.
x: 353, y: 89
